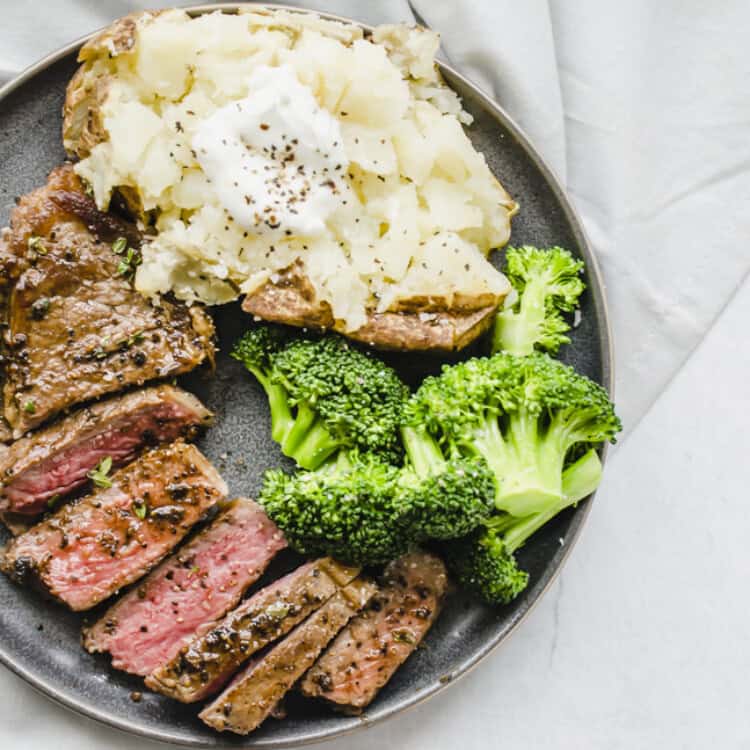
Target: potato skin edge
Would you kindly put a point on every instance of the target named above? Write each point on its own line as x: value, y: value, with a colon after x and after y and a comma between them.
x: 291, y: 300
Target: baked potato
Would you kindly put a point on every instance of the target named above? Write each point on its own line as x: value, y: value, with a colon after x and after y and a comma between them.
x: 404, y: 269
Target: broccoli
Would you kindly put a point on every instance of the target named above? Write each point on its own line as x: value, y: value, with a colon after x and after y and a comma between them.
x: 257, y: 350
x: 526, y: 416
x: 361, y: 505
x: 548, y: 284
x: 362, y: 510
x: 484, y: 562
x: 447, y: 497
x: 349, y: 509
x: 324, y: 395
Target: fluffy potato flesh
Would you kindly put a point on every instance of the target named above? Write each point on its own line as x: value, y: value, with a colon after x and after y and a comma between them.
x: 426, y: 210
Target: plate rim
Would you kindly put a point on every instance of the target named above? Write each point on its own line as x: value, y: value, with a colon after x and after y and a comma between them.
x: 598, y: 290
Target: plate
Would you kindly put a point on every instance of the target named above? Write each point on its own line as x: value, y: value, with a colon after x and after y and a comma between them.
x: 40, y: 640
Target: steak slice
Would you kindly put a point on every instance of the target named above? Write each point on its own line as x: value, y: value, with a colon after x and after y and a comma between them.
x: 256, y: 692
x: 6, y: 267
x: 88, y: 550
x: 56, y: 460
x: 189, y: 591
x: 373, y: 646
x: 15, y: 524
x: 203, y: 666
x: 76, y: 327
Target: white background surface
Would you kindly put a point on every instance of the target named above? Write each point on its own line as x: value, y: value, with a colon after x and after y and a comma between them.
x: 644, y: 640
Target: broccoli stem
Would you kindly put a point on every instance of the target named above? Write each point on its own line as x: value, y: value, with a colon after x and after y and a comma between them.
x: 490, y: 444
x: 579, y: 480
x: 282, y: 419
x: 536, y: 479
x: 308, y: 441
x: 342, y: 463
x: 424, y: 453
x: 528, y: 480
x: 315, y: 446
x: 517, y: 332
x: 302, y: 424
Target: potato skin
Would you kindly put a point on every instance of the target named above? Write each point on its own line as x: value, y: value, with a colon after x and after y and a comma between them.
x: 421, y: 323
x: 83, y: 127
x: 82, y: 124
x: 291, y: 300
x: 87, y: 90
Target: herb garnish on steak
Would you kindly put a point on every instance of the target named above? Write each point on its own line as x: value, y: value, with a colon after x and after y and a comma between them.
x: 88, y: 550
x: 204, y: 665
x: 189, y: 591
x: 50, y: 463
x: 76, y: 328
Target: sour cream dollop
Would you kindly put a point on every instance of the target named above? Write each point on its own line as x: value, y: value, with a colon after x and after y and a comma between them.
x: 276, y: 159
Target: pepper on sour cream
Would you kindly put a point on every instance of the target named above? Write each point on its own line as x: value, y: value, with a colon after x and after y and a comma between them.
x: 276, y: 158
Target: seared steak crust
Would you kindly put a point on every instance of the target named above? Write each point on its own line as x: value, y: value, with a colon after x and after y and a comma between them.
x: 7, y: 264
x: 255, y: 693
x: 186, y: 593
x: 76, y: 327
x: 88, y: 550
x: 204, y: 665
x: 56, y: 460
x: 373, y: 646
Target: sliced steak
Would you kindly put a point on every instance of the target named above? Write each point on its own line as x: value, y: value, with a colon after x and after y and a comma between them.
x: 189, y: 591
x: 76, y: 327
x: 375, y: 643
x: 56, y: 460
x: 88, y: 550
x: 254, y: 694
x: 204, y: 665
x: 6, y: 269
x: 15, y: 524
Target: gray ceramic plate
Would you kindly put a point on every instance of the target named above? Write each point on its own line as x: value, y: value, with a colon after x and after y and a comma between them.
x: 40, y: 640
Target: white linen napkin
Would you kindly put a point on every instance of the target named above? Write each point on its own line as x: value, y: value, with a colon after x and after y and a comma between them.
x: 641, y: 107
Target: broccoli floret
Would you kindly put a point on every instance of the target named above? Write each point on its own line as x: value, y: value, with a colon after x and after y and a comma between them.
x: 362, y: 510
x: 524, y: 415
x: 483, y: 561
x: 548, y: 284
x: 348, y: 509
x: 447, y: 497
x: 324, y: 395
